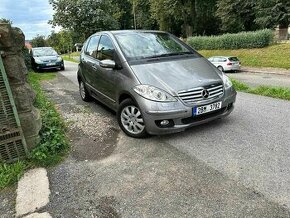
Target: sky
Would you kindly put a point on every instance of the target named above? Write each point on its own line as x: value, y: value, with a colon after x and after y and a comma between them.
x: 29, y: 15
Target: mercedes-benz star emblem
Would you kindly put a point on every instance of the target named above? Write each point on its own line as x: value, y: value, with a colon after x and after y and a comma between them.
x: 205, y: 93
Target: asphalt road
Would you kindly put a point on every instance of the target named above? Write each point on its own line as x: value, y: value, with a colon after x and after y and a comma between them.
x: 258, y: 79
x: 238, y: 166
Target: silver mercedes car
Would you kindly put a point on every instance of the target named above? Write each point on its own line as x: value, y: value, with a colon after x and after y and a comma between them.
x: 156, y: 83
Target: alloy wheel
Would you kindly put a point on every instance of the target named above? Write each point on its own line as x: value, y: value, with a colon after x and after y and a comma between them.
x: 132, y: 120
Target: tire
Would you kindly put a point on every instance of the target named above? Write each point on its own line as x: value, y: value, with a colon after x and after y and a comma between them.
x: 130, y: 119
x: 62, y: 68
x: 84, y: 92
x: 221, y: 68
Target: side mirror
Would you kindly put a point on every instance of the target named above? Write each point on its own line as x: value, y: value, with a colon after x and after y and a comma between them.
x: 110, y: 64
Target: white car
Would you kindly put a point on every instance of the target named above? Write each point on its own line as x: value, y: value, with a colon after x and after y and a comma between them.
x: 224, y: 63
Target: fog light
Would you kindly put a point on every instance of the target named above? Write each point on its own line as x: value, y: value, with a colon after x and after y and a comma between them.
x: 164, y: 122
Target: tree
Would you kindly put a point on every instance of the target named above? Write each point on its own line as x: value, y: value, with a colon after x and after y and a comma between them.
x: 62, y: 42
x: 236, y: 15
x: 39, y: 41
x: 4, y: 20
x: 272, y: 13
x: 186, y: 17
x: 175, y: 16
x: 144, y: 18
x: 122, y: 13
x: 84, y: 16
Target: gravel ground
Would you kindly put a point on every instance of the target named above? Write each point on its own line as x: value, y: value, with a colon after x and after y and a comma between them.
x: 109, y: 174
x: 7, y: 202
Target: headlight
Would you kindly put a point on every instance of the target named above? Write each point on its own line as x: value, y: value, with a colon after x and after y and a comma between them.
x: 153, y: 93
x: 59, y: 59
x: 227, y: 81
x: 38, y: 61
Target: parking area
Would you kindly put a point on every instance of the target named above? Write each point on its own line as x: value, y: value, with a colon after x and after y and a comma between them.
x: 235, y: 166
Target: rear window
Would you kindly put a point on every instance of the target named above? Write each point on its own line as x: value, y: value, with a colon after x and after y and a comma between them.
x: 233, y: 59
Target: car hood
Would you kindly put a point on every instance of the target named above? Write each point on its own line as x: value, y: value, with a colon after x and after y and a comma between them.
x: 177, y: 75
x: 47, y: 58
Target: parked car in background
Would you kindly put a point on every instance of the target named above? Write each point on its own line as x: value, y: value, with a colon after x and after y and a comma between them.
x: 224, y: 63
x: 156, y: 83
x: 44, y: 58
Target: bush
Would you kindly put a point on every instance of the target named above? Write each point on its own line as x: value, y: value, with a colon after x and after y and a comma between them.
x: 257, y: 39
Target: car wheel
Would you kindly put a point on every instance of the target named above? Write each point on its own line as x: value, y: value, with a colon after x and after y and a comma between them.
x: 131, y: 120
x: 62, y: 68
x: 84, y: 92
x: 220, y: 68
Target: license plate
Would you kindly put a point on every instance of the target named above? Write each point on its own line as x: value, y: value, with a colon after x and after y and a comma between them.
x: 206, y: 108
x: 50, y: 64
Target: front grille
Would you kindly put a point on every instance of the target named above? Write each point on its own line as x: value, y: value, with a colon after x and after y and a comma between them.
x: 195, y: 94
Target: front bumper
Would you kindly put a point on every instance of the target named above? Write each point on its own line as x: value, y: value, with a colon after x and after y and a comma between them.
x: 180, y: 115
x: 48, y: 66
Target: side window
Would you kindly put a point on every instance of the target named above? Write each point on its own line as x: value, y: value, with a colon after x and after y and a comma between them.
x: 92, y: 46
x: 106, y: 49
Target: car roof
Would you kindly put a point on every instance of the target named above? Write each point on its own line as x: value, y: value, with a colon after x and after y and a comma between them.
x: 36, y: 48
x: 130, y: 31
x: 223, y: 57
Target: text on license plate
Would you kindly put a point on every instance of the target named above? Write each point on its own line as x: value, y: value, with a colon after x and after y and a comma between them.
x: 207, y: 108
x: 50, y: 64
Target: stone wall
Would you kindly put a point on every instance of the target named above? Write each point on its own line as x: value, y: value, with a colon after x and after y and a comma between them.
x: 12, y: 41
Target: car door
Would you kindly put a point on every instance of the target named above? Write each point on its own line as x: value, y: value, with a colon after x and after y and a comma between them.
x: 105, y: 79
x: 89, y: 59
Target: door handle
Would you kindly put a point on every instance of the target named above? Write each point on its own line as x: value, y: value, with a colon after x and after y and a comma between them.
x: 94, y: 67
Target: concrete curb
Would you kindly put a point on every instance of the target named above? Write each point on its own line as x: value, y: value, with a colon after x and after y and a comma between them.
x: 266, y: 71
x: 32, y: 193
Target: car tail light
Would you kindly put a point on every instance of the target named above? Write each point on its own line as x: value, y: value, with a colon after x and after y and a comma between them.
x: 229, y: 63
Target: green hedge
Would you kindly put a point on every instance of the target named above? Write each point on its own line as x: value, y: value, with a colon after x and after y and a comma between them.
x: 257, y: 39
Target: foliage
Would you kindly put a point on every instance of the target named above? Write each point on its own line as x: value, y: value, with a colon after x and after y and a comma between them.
x: 274, y: 92
x: 271, y: 13
x: 259, y: 57
x: 38, y: 41
x: 4, y: 20
x: 185, y: 17
x: 144, y: 19
x: 257, y: 39
x: 53, y: 142
x: 62, y: 41
x: 84, y: 16
x: 11, y: 173
x: 70, y: 58
x: 236, y: 16
x: 122, y: 13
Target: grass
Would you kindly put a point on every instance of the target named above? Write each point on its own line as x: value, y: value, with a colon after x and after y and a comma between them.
x: 274, y: 92
x: 11, y: 173
x: 276, y: 56
x: 69, y: 57
x: 53, y: 145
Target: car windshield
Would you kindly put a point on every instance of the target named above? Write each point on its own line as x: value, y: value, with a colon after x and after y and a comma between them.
x: 39, y: 52
x: 233, y: 59
x: 142, y: 45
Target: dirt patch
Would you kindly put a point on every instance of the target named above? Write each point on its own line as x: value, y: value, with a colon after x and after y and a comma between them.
x: 92, y: 130
x: 92, y: 147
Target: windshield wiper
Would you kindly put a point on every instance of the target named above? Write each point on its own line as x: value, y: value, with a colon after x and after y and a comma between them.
x: 170, y: 54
